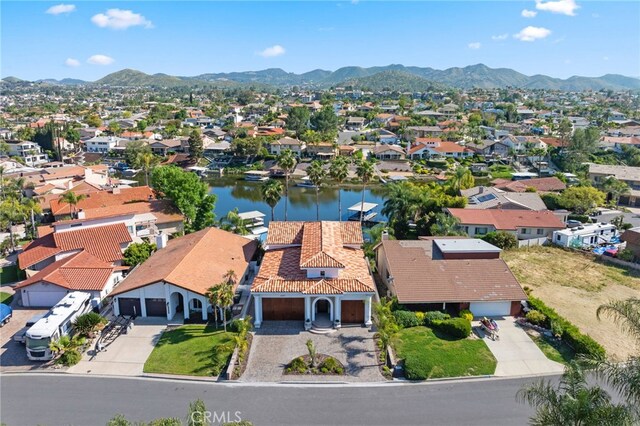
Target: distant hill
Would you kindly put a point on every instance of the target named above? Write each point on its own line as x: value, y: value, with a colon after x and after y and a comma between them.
x: 12, y: 79
x: 395, y: 77
x: 63, y: 82
x: 393, y: 80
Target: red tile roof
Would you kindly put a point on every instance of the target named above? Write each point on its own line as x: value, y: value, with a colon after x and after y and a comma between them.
x: 508, y: 219
x: 103, y: 242
x: 80, y: 271
x: 547, y: 184
x: 100, y: 199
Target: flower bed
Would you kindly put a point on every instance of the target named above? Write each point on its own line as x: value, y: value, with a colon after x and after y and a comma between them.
x: 325, y: 365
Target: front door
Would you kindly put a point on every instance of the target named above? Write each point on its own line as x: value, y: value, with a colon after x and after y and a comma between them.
x: 322, y: 306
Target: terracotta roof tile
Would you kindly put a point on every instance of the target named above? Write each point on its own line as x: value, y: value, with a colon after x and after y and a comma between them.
x: 546, y: 184
x: 508, y: 219
x: 102, y: 199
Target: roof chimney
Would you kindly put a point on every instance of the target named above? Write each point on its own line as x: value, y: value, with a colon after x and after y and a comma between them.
x: 81, y: 214
x: 385, y: 235
x: 480, y: 189
x: 161, y: 240
x: 116, y: 190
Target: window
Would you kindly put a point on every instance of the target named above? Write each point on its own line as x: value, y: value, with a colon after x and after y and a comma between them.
x: 481, y: 231
x: 322, y: 273
x: 196, y: 304
x: 526, y: 230
x: 540, y: 231
x: 558, y: 238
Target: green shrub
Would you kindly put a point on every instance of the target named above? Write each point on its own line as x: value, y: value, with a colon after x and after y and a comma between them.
x: 406, y: 319
x: 454, y: 327
x: 420, y: 317
x: 70, y: 358
x: 89, y: 322
x: 581, y: 217
x: 536, y: 317
x: 466, y: 314
x: 501, y: 239
x: 416, y: 368
x: 556, y: 329
x: 330, y: 365
x: 297, y: 365
x: 581, y: 343
x: 626, y: 255
x: 431, y: 316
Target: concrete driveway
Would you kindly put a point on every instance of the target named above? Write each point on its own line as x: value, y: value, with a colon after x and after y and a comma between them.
x: 13, y: 355
x: 516, y: 353
x: 126, y: 355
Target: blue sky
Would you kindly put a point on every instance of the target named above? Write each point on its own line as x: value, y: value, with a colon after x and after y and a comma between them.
x: 87, y: 40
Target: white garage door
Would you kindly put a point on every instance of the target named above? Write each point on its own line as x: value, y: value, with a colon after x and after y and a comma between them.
x: 43, y: 298
x: 490, y: 309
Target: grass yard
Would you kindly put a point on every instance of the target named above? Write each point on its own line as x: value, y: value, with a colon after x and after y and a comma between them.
x: 192, y: 350
x: 9, y: 274
x: 558, y: 352
x: 501, y: 172
x: 574, y: 284
x: 5, y: 298
x: 428, y: 356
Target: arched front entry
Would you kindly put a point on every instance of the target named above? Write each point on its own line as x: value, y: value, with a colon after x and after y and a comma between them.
x: 322, y: 305
x: 176, y: 304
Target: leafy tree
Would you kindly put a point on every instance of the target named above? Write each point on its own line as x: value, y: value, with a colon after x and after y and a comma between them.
x: 317, y: 175
x: 339, y: 171
x: 572, y: 402
x: 134, y: 150
x: 26, y: 134
x: 581, y: 199
x: 233, y: 223
x: 446, y: 225
x: 460, y: 179
x: 147, y: 161
x: 365, y: 171
x: 271, y: 194
x: 11, y: 212
x: 196, y: 148
x: 181, y: 115
x: 298, y: 120
x: 564, y: 130
x: 93, y: 120
x: 501, y: 239
x: 114, y: 128
x: 72, y: 199
x: 583, y: 143
x: 142, y: 125
x: 188, y: 193
x: 615, y: 187
x: 287, y: 162
x: 137, y: 253
x: 325, y: 120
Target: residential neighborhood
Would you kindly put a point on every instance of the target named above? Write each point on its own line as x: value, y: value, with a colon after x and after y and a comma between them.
x: 328, y: 237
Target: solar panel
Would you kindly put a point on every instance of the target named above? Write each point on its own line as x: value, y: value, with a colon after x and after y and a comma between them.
x: 486, y: 197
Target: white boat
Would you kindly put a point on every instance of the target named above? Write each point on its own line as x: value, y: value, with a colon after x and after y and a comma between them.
x: 365, y: 209
x: 306, y: 183
x: 256, y: 175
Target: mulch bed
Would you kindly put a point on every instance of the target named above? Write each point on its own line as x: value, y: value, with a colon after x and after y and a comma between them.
x: 386, y: 374
x: 319, y: 360
x: 238, y: 371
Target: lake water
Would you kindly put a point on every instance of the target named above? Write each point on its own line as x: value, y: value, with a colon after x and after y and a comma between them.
x: 246, y: 196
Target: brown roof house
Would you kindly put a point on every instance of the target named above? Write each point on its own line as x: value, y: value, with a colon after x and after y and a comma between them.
x: 175, y: 279
x: 314, y: 272
x: 449, y: 273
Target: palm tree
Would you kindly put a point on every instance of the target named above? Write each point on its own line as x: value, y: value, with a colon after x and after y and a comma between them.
x: 2, y: 170
x: 213, y: 294
x: 226, y: 301
x: 232, y: 222
x: 147, y: 161
x: 365, y: 172
x: 401, y: 205
x: 445, y: 225
x: 72, y: 199
x: 230, y: 277
x: 460, y: 179
x: 624, y: 377
x: 271, y: 194
x: 316, y: 175
x: 572, y: 402
x: 339, y: 171
x: 287, y: 162
x: 30, y: 208
x: 11, y: 212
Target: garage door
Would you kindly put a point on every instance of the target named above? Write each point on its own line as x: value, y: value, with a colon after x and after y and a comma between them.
x: 490, y: 309
x: 129, y: 306
x: 44, y: 298
x: 156, y: 307
x: 277, y: 309
x: 352, y: 311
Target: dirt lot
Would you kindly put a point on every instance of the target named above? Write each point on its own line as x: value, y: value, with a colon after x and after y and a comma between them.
x: 575, y: 285
x: 13, y: 355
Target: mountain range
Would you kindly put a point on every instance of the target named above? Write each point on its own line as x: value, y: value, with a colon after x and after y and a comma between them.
x: 392, y: 77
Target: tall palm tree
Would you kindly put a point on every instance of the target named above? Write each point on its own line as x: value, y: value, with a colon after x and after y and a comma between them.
x: 446, y: 225
x: 230, y: 277
x: 147, y: 161
x: 213, y: 294
x: 573, y: 402
x: 226, y: 301
x: 460, y: 179
x: 365, y: 171
x: 316, y: 175
x: 287, y: 162
x: 72, y: 199
x: 624, y: 377
x: 271, y: 194
x: 339, y: 171
x: 30, y: 208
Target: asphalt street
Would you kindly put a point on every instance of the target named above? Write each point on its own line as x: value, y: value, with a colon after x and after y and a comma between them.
x: 60, y: 399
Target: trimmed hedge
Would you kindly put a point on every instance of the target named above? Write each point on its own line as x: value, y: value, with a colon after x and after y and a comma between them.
x: 431, y: 316
x: 454, y: 327
x: 406, y: 319
x: 581, y: 343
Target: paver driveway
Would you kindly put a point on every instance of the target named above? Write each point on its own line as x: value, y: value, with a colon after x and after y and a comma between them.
x: 277, y: 343
x: 516, y: 353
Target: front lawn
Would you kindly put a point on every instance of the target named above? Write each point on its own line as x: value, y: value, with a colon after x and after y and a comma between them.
x: 10, y: 274
x: 5, y: 298
x: 555, y: 351
x: 429, y: 356
x: 191, y: 350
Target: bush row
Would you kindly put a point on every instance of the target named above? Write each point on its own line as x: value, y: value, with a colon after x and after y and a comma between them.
x: 455, y: 327
x: 581, y: 343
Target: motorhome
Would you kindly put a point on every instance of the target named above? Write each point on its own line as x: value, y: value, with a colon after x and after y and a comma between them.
x: 55, y: 324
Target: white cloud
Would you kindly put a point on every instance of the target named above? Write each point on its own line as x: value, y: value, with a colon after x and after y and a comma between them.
x: 118, y: 19
x: 532, y: 33
x: 528, y: 13
x: 61, y: 8
x: 70, y: 62
x: 563, y: 7
x: 500, y: 37
x: 100, y: 60
x: 272, y: 51
x: 475, y: 45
